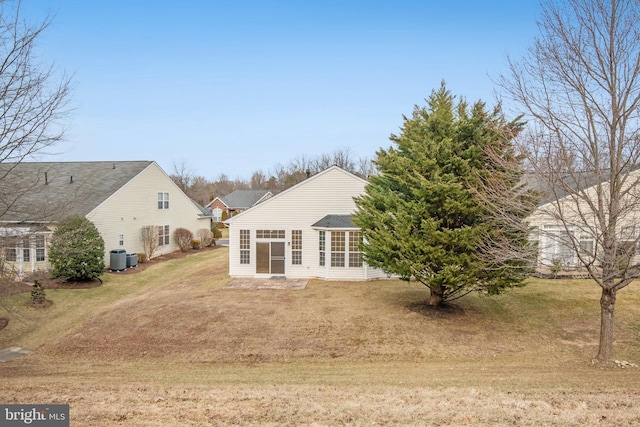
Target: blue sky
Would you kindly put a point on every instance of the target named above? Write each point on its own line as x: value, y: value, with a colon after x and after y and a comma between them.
x: 236, y: 86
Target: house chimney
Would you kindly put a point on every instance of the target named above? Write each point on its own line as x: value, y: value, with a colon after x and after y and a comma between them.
x: 71, y: 179
x: 114, y: 166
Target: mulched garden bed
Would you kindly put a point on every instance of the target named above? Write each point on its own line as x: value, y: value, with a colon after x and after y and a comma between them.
x: 57, y: 283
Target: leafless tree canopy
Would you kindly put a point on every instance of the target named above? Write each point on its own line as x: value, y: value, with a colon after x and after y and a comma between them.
x: 579, y: 85
x: 279, y: 178
x: 182, y: 175
x: 33, y: 98
x: 149, y: 235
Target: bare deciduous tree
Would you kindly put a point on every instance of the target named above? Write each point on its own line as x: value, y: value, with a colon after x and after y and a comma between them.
x: 149, y: 239
x: 258, y: 180
x: 34, y: 98
x: 580, y: 87
x: 182, y: 175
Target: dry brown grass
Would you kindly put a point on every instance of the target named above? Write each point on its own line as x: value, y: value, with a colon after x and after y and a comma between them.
x: 172, y: 346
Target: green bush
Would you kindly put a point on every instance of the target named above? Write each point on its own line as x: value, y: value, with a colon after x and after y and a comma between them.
x: 217, y: 233
x: 77, y: 250
x: 195, y: 244
x: 38, y: 295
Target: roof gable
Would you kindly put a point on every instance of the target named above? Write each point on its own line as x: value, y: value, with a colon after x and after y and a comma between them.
x: 244, y: 199
x: 333, y: 182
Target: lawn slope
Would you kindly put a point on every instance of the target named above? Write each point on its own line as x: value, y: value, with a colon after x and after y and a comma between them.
x: 172, y: 345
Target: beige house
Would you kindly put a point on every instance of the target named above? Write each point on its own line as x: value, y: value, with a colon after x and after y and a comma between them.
x: 120, y: 198
x: 303, y: 232
x: 563, y: 244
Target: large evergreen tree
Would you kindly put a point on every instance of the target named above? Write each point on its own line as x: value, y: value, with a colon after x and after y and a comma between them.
x: 421, y: 217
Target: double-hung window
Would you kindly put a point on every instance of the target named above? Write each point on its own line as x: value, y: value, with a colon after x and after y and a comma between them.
x: 163, y: 235
x: 355, y: 257
x: 296, y: 247
x: 216, y: 215
x: 322, y: 248
x: 337, y: 248
x: 40, y: 249
x: 163, y: 200
x: 245, y: 246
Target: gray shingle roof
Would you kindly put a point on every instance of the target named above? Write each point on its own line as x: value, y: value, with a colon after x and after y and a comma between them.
x: 49, y: 191
x: 335, y: 221
x: 243, y: 199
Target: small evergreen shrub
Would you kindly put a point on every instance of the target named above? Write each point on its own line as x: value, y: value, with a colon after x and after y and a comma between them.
x: 77, y: 250
x: 38, y: 296
x: 196, y: 244
x: 217, y: 233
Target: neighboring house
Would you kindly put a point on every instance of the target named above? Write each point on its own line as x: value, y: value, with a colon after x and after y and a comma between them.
x: 305, y: 231
x: 120, y: 198
x: 236, y: 202
x: 557, y: 241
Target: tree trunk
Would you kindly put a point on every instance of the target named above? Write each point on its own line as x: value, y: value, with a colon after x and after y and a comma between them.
x: 435, y: 297
x: 607, y: 304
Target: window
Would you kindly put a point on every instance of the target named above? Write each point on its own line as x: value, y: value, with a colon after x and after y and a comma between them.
x: 355, y: 257
x: 322, y: 248
x: 557, y: 246
x: 337, y: 248
x: 587, y: 247
x: 163, y: 200
x: 269, y: 234
x: 121, y: 240
x: 26, y: 249
x: 10, y: 249
x: 245, y: 246
x: 216, y: 215
x: 296, y: 247
x: 163, y: 235
x: 40, y: 249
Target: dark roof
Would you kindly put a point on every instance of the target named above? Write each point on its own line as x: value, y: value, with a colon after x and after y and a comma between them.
x: 48, y: 191
x: 557, y: 186
x: 335, y: 221
x: 243, y: 199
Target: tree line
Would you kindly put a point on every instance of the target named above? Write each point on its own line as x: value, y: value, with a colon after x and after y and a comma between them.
x: 278, y: 178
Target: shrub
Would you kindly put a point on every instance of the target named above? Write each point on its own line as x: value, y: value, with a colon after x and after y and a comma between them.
x: 217, y: 233
x: 149, y: 235
x: 196, y: 244
x: 205, y: 236
x: 183, y: 238
x: 142, y: 257
x: 77, y: 250
x: 38, y: 295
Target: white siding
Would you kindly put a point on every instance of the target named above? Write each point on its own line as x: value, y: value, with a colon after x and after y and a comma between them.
x: 329, y: 192
x: 553, y: 239
x: 135, y: 205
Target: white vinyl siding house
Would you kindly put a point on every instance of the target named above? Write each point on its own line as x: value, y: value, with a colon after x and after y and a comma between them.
x: 118, y: 197
x: 564, y: 244
x: 141, y: 202
x: 285, y: 235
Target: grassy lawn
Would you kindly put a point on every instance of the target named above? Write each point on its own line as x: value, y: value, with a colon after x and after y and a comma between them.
x: 171, y: 346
